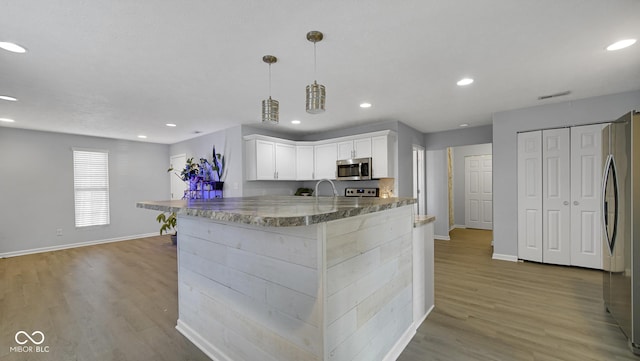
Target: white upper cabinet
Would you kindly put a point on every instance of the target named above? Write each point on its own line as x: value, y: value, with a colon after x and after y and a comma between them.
x: 357, y: 148
x: 305, y: 162
x: 268, y: 160
x: 325, y: 160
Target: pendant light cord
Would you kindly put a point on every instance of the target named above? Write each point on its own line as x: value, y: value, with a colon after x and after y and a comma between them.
x: 269, y: 80
x: 315, y: 65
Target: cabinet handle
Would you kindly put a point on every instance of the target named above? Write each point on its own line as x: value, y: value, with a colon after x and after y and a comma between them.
x: 566, y: 203
x: 576, y: 203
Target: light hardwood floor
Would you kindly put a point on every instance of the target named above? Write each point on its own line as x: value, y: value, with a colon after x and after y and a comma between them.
x: 498, y: 310
x: 118, y: 301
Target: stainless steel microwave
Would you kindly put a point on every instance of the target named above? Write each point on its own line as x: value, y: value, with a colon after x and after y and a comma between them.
x: 354, y: 169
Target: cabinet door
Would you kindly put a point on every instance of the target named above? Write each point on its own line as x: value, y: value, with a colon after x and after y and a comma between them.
x: 285, y: 162
x: 304, y: 162
x: 556, y: 197
x: 345, y: 150
x: 362, y: 148
x: 265, y: 160
x: 325, y: 160
x: 381, y: 167
x: 530, y: 196
x: 586, y: 196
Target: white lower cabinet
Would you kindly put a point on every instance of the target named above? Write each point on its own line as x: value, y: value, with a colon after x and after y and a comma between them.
x: 559, y: 185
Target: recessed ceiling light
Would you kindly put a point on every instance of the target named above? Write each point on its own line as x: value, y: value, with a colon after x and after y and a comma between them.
x: 463, y: 125
x: 142, y: 136
x: 14, y: 48
x: 365, y: 105
x: 170, y: 125
x: 6, y: 97
x: 7, y: 120
x: 621, y: 44
x: 295, y: 122
x: 464, y: 81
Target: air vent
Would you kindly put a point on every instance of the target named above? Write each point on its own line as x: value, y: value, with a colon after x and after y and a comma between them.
x: 561, y: 94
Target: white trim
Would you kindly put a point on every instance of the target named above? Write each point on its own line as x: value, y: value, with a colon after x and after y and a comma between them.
x: 73, y: 245
x: 210, y: 350
x: 441, y: 238
x: 461, y: 226
x: 405, y: 339
x: 505, y: 257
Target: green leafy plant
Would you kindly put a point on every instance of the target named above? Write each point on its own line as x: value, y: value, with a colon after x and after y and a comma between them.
x: 190, y: 171
x: 168, y: 222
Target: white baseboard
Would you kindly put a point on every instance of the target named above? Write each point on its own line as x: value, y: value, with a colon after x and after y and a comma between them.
x: 73, y: 245
x: 210, y: 350
x: 461, y: 226
x: 505, y: 257
x: 442, y: 238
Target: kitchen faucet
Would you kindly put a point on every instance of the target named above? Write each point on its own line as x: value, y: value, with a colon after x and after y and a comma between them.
x: 335, y: 193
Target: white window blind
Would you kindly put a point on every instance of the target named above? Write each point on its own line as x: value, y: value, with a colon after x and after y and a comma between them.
x: 91, y: 187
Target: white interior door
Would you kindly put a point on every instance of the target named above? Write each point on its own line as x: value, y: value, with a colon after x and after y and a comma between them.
x: 530, y: 196
x: 478, y: 192
x: 586, y: 196
x: 177, y: 162
x: 556, y: 197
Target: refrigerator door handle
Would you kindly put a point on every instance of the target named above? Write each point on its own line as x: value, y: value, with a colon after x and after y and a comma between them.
x: 610, y: 175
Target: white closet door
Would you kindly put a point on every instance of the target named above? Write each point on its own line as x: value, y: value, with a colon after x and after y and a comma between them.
x: 530, y: 196
x: 586, y: 196
x: 556, y: 197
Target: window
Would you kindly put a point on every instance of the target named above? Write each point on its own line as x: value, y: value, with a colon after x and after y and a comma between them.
x: 91, y: 187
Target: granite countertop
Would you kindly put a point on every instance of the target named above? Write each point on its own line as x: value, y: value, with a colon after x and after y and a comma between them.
x: 422, y: 219
x: 277, y: 211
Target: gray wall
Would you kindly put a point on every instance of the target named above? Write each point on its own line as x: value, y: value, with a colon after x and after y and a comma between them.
x: 505, y: 127
x: 458, y: 137
x: 36, y: 188
x: 407, y: 138
x: 459, y: 153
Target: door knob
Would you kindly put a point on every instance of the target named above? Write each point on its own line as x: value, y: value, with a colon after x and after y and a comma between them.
x: 566, y: 203
x: 575, y: 203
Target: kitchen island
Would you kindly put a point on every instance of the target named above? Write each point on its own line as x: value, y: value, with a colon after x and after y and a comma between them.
x: 300, y: 278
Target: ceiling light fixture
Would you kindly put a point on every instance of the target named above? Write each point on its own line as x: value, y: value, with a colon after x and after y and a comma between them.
x: 365, y: 105
x: 316, y: 93
x: 8, y: 98
x: 14, y: 48
x: 463, y: 125
x: 142, y: 136
x: 464, y: 81
x: 270, y: 107
x: 295, y: 121
x: 170, y: 125
x: 7, y: 120
x: 621, y: 44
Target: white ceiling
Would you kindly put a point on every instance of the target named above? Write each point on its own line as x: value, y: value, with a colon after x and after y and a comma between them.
x: 117, y: 68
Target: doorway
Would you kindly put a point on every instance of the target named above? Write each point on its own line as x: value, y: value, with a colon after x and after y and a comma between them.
x: 418, y: 179
x: 178, y: 186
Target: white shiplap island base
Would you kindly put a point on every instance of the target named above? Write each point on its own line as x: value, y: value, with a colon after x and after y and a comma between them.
x: 342, y: 288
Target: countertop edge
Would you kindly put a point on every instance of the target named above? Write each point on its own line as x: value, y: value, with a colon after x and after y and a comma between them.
x: 422, y: 219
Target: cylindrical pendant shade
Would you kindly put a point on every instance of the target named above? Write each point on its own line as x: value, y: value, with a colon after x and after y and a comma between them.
x: 270, y: 110
x: 315, y: 98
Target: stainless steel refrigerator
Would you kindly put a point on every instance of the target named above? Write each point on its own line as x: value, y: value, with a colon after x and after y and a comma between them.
x: 621, y: 224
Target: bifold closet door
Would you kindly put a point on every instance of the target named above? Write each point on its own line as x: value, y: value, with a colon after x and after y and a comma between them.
x: 530, y: 196
x: 556, y: 196
x: 586, y: 196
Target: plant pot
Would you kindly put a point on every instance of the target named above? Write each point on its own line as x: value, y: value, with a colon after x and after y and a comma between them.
x: 217, y: 186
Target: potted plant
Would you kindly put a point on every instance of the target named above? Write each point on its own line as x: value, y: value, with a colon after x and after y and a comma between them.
x: 168, y: 223
x: 213, y: 171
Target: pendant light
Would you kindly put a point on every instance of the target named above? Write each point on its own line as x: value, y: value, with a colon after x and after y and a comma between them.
x: 270, y: 106
x: 315, y: 92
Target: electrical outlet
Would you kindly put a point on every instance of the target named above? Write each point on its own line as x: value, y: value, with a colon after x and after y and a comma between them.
x: 59, y: 232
